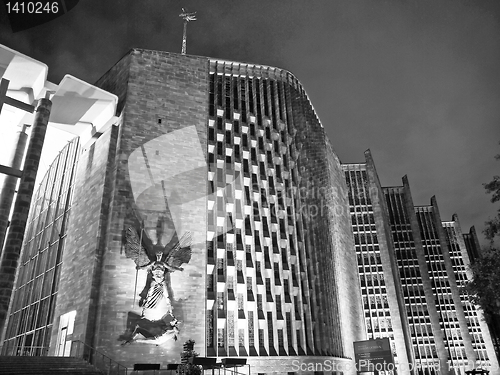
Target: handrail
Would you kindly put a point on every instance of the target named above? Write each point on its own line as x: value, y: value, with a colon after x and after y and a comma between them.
x: 97, y: 359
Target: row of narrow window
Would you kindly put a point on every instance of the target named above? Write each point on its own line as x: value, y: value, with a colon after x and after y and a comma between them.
x: 397, y: 208
x: 243, y: 94
x: 225, y: 336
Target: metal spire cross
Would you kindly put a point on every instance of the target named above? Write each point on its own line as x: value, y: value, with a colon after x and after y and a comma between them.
x: 186, y: 16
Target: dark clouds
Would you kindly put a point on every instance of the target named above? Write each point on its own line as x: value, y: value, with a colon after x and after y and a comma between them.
x: 416, y: 81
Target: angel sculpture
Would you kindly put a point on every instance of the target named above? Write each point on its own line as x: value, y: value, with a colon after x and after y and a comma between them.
x: 159, y: 261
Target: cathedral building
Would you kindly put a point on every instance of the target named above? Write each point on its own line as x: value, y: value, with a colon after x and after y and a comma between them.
x: 213, y: 209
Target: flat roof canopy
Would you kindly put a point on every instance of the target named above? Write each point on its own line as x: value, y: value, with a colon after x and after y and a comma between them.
x: 77, y: 106
x: 27, y: 76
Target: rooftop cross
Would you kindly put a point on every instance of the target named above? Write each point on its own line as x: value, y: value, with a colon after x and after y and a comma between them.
x: 186, y: 16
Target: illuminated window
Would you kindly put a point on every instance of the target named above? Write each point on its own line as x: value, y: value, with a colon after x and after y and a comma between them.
x: 221, y: 340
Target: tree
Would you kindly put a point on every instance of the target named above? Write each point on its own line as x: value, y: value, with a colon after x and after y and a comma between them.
x: 484, y: 289
x: 493, y: 225
x: 188, y: 352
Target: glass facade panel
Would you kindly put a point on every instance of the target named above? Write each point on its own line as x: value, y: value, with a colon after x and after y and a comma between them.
x: 30, y: 320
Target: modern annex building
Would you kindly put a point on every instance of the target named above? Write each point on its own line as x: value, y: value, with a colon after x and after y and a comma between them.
x: 213, y: 209
x: 412, y: 266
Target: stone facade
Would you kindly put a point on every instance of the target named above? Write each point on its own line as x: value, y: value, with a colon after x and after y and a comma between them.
x: 160, y: 172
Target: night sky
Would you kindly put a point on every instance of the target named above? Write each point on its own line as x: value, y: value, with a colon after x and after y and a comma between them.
x: 415, y: 81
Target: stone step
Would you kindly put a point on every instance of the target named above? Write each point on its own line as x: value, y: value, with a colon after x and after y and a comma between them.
x: 14, y: 365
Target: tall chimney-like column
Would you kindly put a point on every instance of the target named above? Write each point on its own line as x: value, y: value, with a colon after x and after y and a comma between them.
x: 9, y: 183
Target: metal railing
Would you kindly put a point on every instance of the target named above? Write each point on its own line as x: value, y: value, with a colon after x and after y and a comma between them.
x: 100, y: 361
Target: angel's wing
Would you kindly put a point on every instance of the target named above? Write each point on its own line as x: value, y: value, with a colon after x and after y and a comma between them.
x: 181, y: 252
x: 134, y: 248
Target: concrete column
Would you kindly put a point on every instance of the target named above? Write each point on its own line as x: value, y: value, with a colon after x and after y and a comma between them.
x: 14, y: 239
x: 9, y: 184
